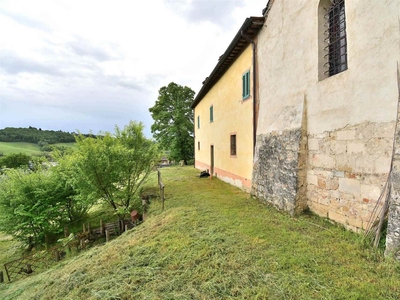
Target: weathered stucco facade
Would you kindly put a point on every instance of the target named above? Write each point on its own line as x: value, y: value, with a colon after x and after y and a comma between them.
x: 222, y: 113
x: 231, y: 115
x: 325, y: 142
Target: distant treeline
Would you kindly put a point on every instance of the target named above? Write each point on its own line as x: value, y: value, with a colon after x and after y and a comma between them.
x: 35, y: 135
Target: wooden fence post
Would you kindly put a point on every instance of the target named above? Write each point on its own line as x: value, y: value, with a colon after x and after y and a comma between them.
x: 83, y: 244
x: 8, y: 274
x: 57, y: 255
x: 1, y: 277
x: 162, y: 195
x: 84, y: 227
x: 126, y: 227
x: 144, y: 208
x: 66, y: 231
x: 101, y: 228
x: 107, y: 236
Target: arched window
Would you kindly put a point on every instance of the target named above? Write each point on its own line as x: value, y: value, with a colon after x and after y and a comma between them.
x: 332, y: 38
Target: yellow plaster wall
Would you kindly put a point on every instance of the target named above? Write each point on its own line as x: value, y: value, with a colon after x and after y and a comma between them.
x: 231, y: 115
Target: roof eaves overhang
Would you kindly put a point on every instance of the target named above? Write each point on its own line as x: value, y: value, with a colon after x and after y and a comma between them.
x: 250, y: 27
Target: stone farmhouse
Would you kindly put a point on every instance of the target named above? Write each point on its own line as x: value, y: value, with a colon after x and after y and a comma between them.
x: 302, y: 109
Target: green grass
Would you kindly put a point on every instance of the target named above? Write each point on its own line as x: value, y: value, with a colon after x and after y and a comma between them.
x: 215, y: 242
x: 68, y: 145
x: 26, y: 148
x: 19, y: 147
x: 9, y: 249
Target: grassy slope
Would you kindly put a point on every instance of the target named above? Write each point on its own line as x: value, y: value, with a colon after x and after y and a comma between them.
x: 214, y: 242
x: 9, y: 249
x: 19, y: 147
x: 26, y: 148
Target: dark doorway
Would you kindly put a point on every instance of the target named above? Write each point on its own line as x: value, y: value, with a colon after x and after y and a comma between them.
x: 212, y: 160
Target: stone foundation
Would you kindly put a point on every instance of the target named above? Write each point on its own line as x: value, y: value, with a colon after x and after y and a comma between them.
x: 339, y: 174
x: 347, y: 170
x: 275, y: 171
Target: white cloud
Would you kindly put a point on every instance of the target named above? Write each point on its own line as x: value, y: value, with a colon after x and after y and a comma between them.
x: 92, y: 64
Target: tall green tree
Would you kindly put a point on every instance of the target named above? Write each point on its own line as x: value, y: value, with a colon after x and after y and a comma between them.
x: 114, y: 167
x: 173, y: 119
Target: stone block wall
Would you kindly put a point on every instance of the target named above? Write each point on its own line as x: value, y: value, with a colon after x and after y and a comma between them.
x: 347, y: 170
x: 276, y: 169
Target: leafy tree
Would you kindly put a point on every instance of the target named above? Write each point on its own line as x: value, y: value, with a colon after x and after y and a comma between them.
x: 173, y: 124
x: 35, y: 205
x: 15, y: 160
x: 114, y: 167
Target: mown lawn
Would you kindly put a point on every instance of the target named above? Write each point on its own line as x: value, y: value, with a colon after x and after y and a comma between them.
x: 215, y: 242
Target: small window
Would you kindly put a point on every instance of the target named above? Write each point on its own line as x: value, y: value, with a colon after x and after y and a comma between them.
x: 246, y: 85
x: 233, y: 144
x: 198, y: 146
x: 198, y: 122
x: 211, y: 113
x: 336, y: 41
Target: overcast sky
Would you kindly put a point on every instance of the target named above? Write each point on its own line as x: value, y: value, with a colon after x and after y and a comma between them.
x: 90, y: 65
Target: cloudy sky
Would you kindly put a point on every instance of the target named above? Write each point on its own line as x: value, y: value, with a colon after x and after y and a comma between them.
x: 90, y: 65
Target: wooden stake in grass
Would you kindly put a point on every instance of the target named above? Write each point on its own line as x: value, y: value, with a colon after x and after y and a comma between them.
x: 107, y: 236
x: 101, y: 228
x: 66, y: 231
x: 162, y: 195
x: 57, y: 255
x: 1, y: 277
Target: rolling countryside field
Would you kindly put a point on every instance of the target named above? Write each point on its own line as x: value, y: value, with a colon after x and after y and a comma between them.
x: 26, y: 148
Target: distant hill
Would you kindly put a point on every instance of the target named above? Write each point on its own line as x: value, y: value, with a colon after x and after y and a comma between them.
x: 35, y: 135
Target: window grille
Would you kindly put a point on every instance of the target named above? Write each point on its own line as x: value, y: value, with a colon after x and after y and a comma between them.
x: 233, y: 144
x: 335, y: 23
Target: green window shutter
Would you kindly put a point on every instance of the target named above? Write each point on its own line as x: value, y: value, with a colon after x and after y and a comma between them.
x: 243, y: 85
x: 246, y: 85
x: 198, y: 122
x: 211, y: 114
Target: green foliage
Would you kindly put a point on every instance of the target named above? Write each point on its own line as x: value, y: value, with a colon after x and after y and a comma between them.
x: 112, y: 167
x: 33, y: 135
x: 173, y: 124
x: 35, y: 205
x: 15, y: 160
